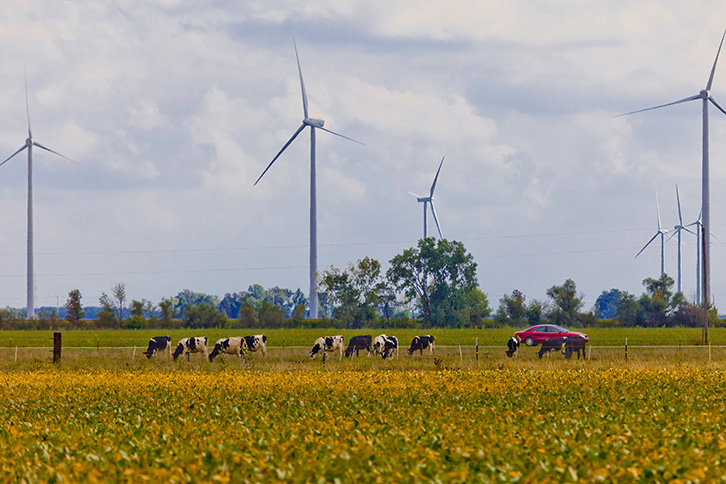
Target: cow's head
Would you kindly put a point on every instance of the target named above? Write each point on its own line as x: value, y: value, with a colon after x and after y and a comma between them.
x: 179, y: 349
x: 317, y: 347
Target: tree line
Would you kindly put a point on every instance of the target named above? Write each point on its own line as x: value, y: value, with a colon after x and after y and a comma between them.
x: 431, y: 285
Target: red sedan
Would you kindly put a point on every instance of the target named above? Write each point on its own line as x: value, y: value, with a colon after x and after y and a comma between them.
x: 537, y: 334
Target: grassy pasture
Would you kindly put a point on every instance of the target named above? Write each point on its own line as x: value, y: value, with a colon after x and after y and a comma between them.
x: 305, y: 337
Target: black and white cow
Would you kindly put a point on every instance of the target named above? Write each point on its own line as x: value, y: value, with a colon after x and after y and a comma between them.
x: 512, y: 345
x: 328, y: 344
x: 257, y: 342
x: 420, y: 343
x: 231, y: 346
x: 158, y: 343
x: 357, y: 343
x: 385, y: 346
x: 196, y: 344
x: 575, y: 344
x: 550, y: 344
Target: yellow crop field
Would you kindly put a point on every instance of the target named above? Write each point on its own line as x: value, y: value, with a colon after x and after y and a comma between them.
x: 317, y: 425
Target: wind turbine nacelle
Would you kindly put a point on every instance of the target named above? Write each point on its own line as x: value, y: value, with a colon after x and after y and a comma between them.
x: 316, y: 123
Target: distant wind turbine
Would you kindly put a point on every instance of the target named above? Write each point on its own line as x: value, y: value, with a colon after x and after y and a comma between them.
x: 662, y: 234
x: 29, y: 143
x: 705, y: 96
x: 677, y: 232
x: 314, y: 124
x: 430, y: 200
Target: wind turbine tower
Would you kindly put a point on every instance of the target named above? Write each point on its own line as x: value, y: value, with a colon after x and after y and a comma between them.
x: 677, y: 231
x: 314, y: 124
x: 29, y: 144
x: 660, y: 233
x: 430, y: 200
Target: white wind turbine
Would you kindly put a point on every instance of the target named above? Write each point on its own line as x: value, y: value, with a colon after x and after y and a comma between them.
x: 314, y: 124
x: 662, y: 234
x: 705, y: 97
x: 677, y: 231
x: 430, y: 200
x: 29, y: 144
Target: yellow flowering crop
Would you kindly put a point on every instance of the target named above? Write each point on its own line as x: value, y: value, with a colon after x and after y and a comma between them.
x: 511, y: 425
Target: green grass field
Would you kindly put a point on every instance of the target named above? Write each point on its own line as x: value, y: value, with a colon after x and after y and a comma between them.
x: 306, y: 337
x: 288, y: 350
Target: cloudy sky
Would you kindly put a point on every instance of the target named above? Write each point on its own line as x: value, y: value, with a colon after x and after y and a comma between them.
x: 173, y: 108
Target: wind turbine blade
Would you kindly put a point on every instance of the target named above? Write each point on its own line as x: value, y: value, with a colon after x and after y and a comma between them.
x: 691, y: 98
x: 675, y: 232
x: 338, y: 134
x: 27, y: 107
x: 657, y: 205
x: 299, y: 130
x: 436, y: 219
x: 35, y: 143
x: 8, y: 158
x: 646, y: 245
x: 678, y: 199
x: 713, y: 69
x: 713, y: 101
x: 302, y: 83
x: 433, y: 185
x: 417, y: 196
x: 689, y: 230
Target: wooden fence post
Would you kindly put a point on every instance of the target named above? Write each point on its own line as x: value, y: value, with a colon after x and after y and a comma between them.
x: 626, y: 350
x: 57, y: 348
x: 477, y: 349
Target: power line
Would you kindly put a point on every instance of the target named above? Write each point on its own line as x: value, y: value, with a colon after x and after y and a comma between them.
x: 305, y: 246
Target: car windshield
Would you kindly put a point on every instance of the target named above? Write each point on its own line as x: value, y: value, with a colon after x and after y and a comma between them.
x: 561, y: 329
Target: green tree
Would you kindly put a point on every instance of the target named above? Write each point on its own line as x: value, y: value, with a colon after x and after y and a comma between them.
x: 270, y: 315
x: 439, y: 276
x: 627, y: 309
x: 204, y: 315
x: 354, y: 292
x: 74, y: 307
x: 119, y: 293
x: 137, y: 319
x: 566, y: 304
x: 166, y: 310
x: 190, y: 298
x: 107, y: 316
x: 512, y: 309
x: 247, y: 313
x: 659, y: 303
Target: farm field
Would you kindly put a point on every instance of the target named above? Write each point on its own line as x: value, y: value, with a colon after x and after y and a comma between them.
x: 288, y: 349
x: 516, y: 424
x: 306, y: 337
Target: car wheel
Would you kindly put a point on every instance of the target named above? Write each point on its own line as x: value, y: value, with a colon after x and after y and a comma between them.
x: 529, y: 341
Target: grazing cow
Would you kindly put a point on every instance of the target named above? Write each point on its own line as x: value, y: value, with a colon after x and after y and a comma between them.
x: 420, y: 343
x: 356, y: 343
x: 256, y: 343
x: 550, y: 344
x: 575, y: 344
x: 385, y: 346
x: 231, y: 346
x: 191, y: 345
x: 328, y: 344
x: 512, y: 345
x: 158, y: 343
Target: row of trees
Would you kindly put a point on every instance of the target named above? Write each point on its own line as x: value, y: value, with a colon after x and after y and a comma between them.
x: 435, y: 281
x: 658, y: 306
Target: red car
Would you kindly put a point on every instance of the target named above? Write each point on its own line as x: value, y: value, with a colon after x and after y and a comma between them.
x: 537, y: 334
